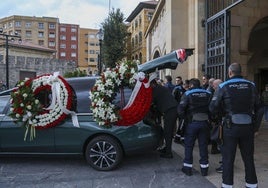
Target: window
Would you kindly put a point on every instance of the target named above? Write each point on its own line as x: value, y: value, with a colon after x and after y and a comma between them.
x: 62, y: 54
x: 51, y: 35
x: 40, y: 25
x: 73, y: 37
x: 136, y: 24
x: 28, y: 33
x: 40, y: 34
x: 62, y: 37
x: 150, y: 15
x: 73, y: 54
x: 140, y: 37
x: 18, y: 31
x: 136, y: 39
x: 10, y: 24
x: 51, y: 43
x: 92, y: 44
x: 63, y: 46
x: 63, y: 29
x: 28, y: 24
x: 51, y: 26
x: 91, y: 60
x: 73, y: 30
x: 73, y: 46
x: 17, y: 24
x: 132, y: 42
x: 41, y: 42
x: 91, y: 51
x: 92, y: 36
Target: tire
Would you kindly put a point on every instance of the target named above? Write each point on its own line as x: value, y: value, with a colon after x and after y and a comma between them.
x: 104, y: 153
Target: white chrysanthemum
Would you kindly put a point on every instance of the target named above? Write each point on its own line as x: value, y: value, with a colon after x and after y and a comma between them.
x: 25, y: 95
x: 29, y: 107
x: 21, y: 105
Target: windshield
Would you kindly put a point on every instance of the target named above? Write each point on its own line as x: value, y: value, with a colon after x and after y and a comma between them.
x: 4, y: 100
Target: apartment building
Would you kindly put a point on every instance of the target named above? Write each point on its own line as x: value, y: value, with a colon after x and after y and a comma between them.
x: 88, y: 50
x: 41, y: 31
x: 139, y: 20
x: 68, y: 42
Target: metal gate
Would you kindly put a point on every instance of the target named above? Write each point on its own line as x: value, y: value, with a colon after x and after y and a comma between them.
x: 218, y: 46
x: 218, y: 33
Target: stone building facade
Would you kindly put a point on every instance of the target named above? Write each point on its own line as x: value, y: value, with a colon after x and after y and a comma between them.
x: 249, y: 39
x: 138, y: 22
x: 177, y: 24
x: 183, y: 24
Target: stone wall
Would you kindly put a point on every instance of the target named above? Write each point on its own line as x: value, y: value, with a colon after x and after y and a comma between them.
x: 35, y: 65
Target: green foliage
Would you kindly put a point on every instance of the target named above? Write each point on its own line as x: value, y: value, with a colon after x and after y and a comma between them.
x: 115, y: 35
x: 76, y: 73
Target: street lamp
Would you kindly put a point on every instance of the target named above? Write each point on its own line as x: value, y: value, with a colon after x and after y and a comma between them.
x: 100, y: 37
x: 12, y: 38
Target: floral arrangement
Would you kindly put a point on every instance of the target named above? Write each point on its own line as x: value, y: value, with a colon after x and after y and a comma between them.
x: 24, y: 105
x: 26, y: 108
x: 104, y: 92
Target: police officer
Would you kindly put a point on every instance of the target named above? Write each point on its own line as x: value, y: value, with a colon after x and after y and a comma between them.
x: 237, y: 98
x: 194, y: 109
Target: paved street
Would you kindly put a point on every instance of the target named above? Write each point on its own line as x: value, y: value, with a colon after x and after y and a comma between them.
x: 139, y: 171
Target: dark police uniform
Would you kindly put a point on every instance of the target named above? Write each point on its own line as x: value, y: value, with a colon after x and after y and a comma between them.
x: 194, y: 109
x: 239, y: 101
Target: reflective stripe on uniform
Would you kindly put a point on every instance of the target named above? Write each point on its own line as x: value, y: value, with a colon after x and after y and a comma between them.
x: 226, y: 186
x: 204, y: 165
x: 188, y: 165
x: 251, y: 185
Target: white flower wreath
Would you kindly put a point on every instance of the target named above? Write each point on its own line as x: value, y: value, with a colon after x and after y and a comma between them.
x: 105, y: 88
x: 26, y: 107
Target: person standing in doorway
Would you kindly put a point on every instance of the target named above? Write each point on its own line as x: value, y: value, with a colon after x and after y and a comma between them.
x: 238, y: 100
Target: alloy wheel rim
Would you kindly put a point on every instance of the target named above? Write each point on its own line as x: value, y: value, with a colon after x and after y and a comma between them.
x: 103, y: 154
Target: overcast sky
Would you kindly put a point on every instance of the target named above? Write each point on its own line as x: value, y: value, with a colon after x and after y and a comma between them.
x: 86, y: 13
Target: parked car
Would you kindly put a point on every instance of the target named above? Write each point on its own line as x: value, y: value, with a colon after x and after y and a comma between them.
x: 103, y: 148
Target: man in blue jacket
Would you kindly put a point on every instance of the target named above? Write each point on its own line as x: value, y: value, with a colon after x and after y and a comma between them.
x: 237, y: 98
x: 193, y: 108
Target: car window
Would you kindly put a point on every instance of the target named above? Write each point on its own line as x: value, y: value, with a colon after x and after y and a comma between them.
x: 121, y: 99
x: 82, y: 86
x: 4, y: 100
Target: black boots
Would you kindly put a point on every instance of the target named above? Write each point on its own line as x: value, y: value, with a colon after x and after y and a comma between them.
x: 204, y: 171
x: 187, y: 171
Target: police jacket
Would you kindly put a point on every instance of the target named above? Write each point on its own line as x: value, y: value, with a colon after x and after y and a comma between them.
x: 194, y: 105
x: 237, y: 98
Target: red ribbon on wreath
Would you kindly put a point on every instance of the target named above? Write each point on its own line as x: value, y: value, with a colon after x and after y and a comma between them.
x: 139, y: 107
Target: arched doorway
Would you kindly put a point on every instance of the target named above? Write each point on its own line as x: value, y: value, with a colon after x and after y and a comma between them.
x: 156, y: 54
x: 258, y: 47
